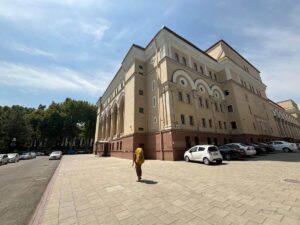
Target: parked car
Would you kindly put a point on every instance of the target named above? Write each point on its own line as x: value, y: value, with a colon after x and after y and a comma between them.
x: 283, y: 146
x: 33, y: 155
x: 204, y: 153
x: 269, y: 148
x: 13, y: 157
x: 25, y: 155
x: 229, y: 152
x: 3, y: 159
x: 249, y: 150
x: 259, y: 148
x: 55, y: 155
x: 40, y: 153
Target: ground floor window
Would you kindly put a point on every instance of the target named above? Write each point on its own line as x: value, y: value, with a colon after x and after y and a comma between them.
x: 215, y: 141
x: 196, y: 140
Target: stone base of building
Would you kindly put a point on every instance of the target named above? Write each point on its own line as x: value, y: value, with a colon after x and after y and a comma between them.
x: 171, y: 144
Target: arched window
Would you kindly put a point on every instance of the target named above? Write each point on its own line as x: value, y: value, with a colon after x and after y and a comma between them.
x: 184, y: 61
x: 195, y: 67
x: 176, y: 57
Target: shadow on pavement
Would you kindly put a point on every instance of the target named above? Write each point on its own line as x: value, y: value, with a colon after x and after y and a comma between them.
x: 145, y: 181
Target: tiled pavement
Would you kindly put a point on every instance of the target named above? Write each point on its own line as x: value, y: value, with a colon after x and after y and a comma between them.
x: 91, y: 190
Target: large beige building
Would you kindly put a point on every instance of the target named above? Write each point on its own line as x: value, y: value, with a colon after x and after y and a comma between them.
x: 171, y: 95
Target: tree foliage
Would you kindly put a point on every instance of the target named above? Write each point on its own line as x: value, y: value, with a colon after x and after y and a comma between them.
x: 51, y: 126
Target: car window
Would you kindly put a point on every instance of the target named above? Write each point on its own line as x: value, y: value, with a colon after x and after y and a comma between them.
x: 200, y: 149
x: 243, y: 145
x: 212, y: 149
x: 193, y: 149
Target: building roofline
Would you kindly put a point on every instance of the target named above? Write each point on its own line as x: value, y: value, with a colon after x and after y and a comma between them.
x: 287, y: 101
x: 276, y: 104
x: 222, y: 41
x: 181, y: 38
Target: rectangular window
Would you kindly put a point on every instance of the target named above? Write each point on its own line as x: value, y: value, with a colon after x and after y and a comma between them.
x: 250, y: 109
x: 180, y: 96
x: 216, y: 107
x: 141, y: 110
x: 230, y: 108
x: 221, y: 108
x: 203, y: 122
x: 225, y: 125
x: 141, y: 92
x: 120, y: 145
x: 233, y: 125
x: 254, y: 126
x: 154, y: 101
x: 200, y: 102
x: 206, y: 103
x: 210, y: 123
x: 141, y: 129
x: 182, y: 119
x: 191, y: 120
x: 188, y: 97
x: 226, y: 92
x: 220, y: 125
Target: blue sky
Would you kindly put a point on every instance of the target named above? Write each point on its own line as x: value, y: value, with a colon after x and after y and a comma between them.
x: 53, y: 49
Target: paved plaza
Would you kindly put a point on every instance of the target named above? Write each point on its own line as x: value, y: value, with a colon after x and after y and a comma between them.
x: 90, y: 190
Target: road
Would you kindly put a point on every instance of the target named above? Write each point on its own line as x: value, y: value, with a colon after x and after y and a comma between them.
x: 21, y: 187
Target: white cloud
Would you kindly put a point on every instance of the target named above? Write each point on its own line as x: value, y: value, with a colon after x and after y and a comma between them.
x: 54, y: 79
x: 96, y: 30
x: 32, y: 51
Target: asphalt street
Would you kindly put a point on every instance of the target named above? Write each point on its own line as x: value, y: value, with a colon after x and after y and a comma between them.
x: 21, y: 187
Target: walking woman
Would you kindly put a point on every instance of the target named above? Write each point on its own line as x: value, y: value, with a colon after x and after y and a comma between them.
x: 138, y: 160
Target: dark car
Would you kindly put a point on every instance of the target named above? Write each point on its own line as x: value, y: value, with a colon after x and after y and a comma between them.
x: 231, y: 152
x: 259, y: 148
x: 269, y: 148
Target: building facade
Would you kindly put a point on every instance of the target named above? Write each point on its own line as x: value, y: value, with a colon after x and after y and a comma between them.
x: 171, y: 95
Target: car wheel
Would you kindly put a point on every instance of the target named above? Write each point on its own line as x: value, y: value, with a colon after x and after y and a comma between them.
x: 187, y: 159
x: 227, y: 157
x: 286, y: 149
x: 219, y: 162
x: 206, y: 161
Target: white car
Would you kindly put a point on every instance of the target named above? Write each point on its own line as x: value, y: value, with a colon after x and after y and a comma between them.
x: 3, y: 159
x: 204, y: 153
x: 55, y: 155
x: 249, y: 150
x: 13, y: 157
x: 283, y: 146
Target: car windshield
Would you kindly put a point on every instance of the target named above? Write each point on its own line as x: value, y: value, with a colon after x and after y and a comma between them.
x: 25, y: 153
x: 212, y: 149
x: 57, y: 152
x: 11, y: 155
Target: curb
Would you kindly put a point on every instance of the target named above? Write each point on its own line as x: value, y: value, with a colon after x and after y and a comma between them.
x: 36, y: 217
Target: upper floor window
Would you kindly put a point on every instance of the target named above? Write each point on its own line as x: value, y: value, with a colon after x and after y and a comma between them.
x: 191, y: 120
x: 210, y: 122
x: 225, y: 125
x: 176, y: 57
x: 206, y: 103
x: 182, y: 119
x: 230, y: 108
x: 201, y: 69
x: 200, y: 102
x: 216, y: 107
x: 221, y: 108
x: 203, y: 122
x: 220, y: 124
x: 226, y: 92
x: 154, y: 101
x: 215, y: 76
x: 141, y: 92
x: 184, y: 61
x: 210, y: 74
x: 141, y: 110
x: 180, y: 98
x: 153, y: 85
x: 141, y: 67
x: 188, y: 97
x: 233, y: 125
x: 195, y: 67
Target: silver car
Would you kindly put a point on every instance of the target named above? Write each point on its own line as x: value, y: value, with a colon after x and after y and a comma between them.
x: 13, y: 157
x: 55, y: 155
x: 3, y: 159
x: 25, y: 155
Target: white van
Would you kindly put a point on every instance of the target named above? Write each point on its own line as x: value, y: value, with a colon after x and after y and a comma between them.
x: 204, y: 153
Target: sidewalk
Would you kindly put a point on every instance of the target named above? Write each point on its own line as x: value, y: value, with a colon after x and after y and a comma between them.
x: 91, y: 190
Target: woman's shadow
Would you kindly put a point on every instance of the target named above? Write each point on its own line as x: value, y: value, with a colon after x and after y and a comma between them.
x: 145, y: 181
